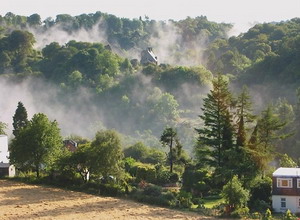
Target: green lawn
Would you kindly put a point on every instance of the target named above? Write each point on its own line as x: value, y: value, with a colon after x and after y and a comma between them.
x: 210, y: 202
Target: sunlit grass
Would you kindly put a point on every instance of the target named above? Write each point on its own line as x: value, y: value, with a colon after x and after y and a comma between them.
x: 210, y: 202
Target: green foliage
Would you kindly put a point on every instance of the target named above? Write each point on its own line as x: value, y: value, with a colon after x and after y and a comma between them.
x: 39, y: 143
x: 20, y: 118
x: 234, y: 194
x: 196, y: 180
x: 289, y: 215
x: 105, y: 154
x: 3, y: 127
x: 145, y: 172
x: 240, y: 213
x: 267, y: 215
x: 260, y: 194
x: 184, y: 199
x: 169, y: 138
x: 215, y: 139
x: 263, y: 137
x: 145, y: 154
x: 286, y: 161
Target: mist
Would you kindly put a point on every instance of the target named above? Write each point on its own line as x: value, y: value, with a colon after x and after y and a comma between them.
x: 76, y: 115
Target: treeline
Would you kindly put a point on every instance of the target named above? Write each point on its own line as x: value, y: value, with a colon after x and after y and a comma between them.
x: 124, y: 32
x: 266, y: 55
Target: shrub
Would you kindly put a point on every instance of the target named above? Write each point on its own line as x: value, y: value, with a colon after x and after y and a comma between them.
x: 289, y: 215
x: 111, y: 189
x: 174, y: 178
x: 152, y: 190
x: 145, y: 172
x: 184, y: 199
x: 260, y: 192
x: 240, y: 212
x: 267, y: 215
x: 163, y: 177
x: 234, y: 193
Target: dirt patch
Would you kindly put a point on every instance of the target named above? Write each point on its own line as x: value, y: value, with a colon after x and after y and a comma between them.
x: 21, y: 201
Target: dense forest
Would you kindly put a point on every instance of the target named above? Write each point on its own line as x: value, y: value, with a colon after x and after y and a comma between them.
x: 214, y: 108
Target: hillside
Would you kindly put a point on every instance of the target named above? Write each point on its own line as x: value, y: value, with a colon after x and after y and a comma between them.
x: 89, y: 65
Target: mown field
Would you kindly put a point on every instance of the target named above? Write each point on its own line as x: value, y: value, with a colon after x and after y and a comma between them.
x: 22, y: 201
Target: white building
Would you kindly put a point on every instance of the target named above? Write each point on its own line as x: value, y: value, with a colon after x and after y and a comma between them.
x: 4, y: 154
x: 286, y: 190
x: 5, y: 168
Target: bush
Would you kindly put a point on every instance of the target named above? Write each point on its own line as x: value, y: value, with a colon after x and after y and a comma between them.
x: 184, y: 199
x: 260, y: 206
x: 240, y: 212
x: 163, y: 177
x: 289, y: 216
x: 152, y: 190
x: 234, y: 193
x: 111, y: 190
x: 260, y: 192
x: 174, y: 178
x: 267, y: 215
x: 144, y: 172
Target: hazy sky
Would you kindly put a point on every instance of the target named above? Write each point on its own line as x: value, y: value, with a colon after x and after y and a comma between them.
x: 240, y: 12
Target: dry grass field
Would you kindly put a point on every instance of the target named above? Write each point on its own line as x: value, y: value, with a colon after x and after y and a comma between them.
x: 21, y: 201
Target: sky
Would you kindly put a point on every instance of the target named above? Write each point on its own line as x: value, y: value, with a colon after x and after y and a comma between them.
x: 242, y: 13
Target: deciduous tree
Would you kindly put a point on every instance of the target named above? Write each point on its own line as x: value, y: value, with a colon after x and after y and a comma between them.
x: 37, y: 145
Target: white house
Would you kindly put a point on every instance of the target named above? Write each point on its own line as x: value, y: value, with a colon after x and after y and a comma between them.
x: 5, y: 168
x: 4, y: 154
x: 286, y: 190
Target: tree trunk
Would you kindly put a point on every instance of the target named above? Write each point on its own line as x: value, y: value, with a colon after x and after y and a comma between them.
x: 37, y: 171
x: 171, y: 156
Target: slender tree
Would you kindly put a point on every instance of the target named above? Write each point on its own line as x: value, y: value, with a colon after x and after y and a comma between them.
x: 243, y: 116
x: 266, y: 132
x: 20, y: 118
x: 169, y: 138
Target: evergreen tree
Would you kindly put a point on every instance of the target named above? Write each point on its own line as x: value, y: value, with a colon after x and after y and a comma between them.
x: 244, y: 115
x: 262, y: 141
x: 240, y: 157
x: 20, y: 119
x: 217, y: 130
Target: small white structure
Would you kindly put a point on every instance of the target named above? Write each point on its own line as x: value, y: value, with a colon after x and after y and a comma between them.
x: 5, y: 168
x: 147, y: 56
x: 286, y: 190
x: 4, y: 154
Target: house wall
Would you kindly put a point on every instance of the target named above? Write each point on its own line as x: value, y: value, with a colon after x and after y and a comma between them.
x: 294, y: 191
x: 12, y: 171
x: 292, y: 203
x: 4, y: 149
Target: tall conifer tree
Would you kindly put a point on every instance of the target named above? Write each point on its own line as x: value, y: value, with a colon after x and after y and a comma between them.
x: 20, y: 119
x: 217, y: 130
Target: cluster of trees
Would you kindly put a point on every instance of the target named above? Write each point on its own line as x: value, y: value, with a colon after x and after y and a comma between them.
x: 233, y: 151
x: 37, y: 146
x: 266, y: 54
x: 124, y: 32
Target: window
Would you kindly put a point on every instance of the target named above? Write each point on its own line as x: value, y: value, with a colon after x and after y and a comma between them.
x: 284, y: 182
x: 298, y: 183
x: 283, y: 202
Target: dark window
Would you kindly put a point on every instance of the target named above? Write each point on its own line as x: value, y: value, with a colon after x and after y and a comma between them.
x: 283, y: 203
